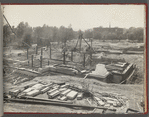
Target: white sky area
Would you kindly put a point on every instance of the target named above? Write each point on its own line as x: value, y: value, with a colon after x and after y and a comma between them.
x: 79, y: 16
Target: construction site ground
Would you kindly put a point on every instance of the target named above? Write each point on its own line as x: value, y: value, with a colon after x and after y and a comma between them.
x: 134, y: 92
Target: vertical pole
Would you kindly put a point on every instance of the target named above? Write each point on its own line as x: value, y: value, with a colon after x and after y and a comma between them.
x: 40, y: 61
x: 41, y: 51
x: 91, y: 58
x: 48, y: 62
x: 64, y: 58
x: 84, y: 59
x: 72, y: 55
x: 80, y: 44
x: 27, y: 53
x: 50, y: 51
x: 32, y: 60
x: 36, y: 50
x: 28, y: 62
x: 91, y: 43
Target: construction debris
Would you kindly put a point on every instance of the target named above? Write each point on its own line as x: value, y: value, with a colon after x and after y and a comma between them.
x: 54, y: 89
x: 106, y: 66
x: 63, y: 98
x: 53, y: 94
x: 28, y: 90
x: 79, y: 96
x: 65, y: 92
x: 61, y: 95
x: 99, y: 101
x: 38, y: 86
x: 116, y: 72
x: 33, y: 93
x: 15, y: 92
x: 56, y: 103
x: 45, y: 90
x: 71, y: 95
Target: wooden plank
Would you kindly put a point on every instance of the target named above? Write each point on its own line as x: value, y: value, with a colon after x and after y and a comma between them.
x: 40, y: 61
x: 56, y: 103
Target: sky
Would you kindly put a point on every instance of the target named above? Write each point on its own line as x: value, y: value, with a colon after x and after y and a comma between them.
x: 79, y: 16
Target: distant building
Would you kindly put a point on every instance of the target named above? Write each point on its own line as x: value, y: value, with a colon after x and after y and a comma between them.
x: 107, y: 33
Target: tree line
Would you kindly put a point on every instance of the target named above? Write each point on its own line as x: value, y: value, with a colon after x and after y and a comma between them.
x: 133, y: 34
x: 43, y: 35
x: 37, y: 35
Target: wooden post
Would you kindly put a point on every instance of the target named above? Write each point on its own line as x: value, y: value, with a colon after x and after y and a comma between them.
x: 28, y: 62
x: 48, y: 62
x: 91, y: 42
x: 41, y: 51
x: 64, y: 58
x: 72, y: 55
x: 27, y: 53
x: 50, y: 51
x: 36, y: 50
x: 80, y: 44
x: 40, y: 61
x: 32, y: 60
x: 91, y: 58
x: 84, y: 59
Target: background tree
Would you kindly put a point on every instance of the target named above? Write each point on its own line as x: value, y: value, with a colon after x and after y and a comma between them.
x: 139, y: 34
x: 88, y: 34
x: 44, y: 35
x: 37, y: 34
x: 23, y: 30
x: 65, y: 34
x: 54, y: 34
x: 27, y: 40
x: 20, y: 30
x: 6, y: 33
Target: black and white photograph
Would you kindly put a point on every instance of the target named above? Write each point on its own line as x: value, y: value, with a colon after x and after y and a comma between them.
x: 74, y: 58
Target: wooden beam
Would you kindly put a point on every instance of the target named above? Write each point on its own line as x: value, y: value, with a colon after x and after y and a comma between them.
x: 32, y: 59
x: 71, y: 55
x: 41, y: 51
x: 27, y: 53
x: 56, y: 103
x: 40, y: 61
x: 50, y: 51
x: 64, y: 58
x: 36, y: 49
x: 90, y: 58
x: 84, y: 59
